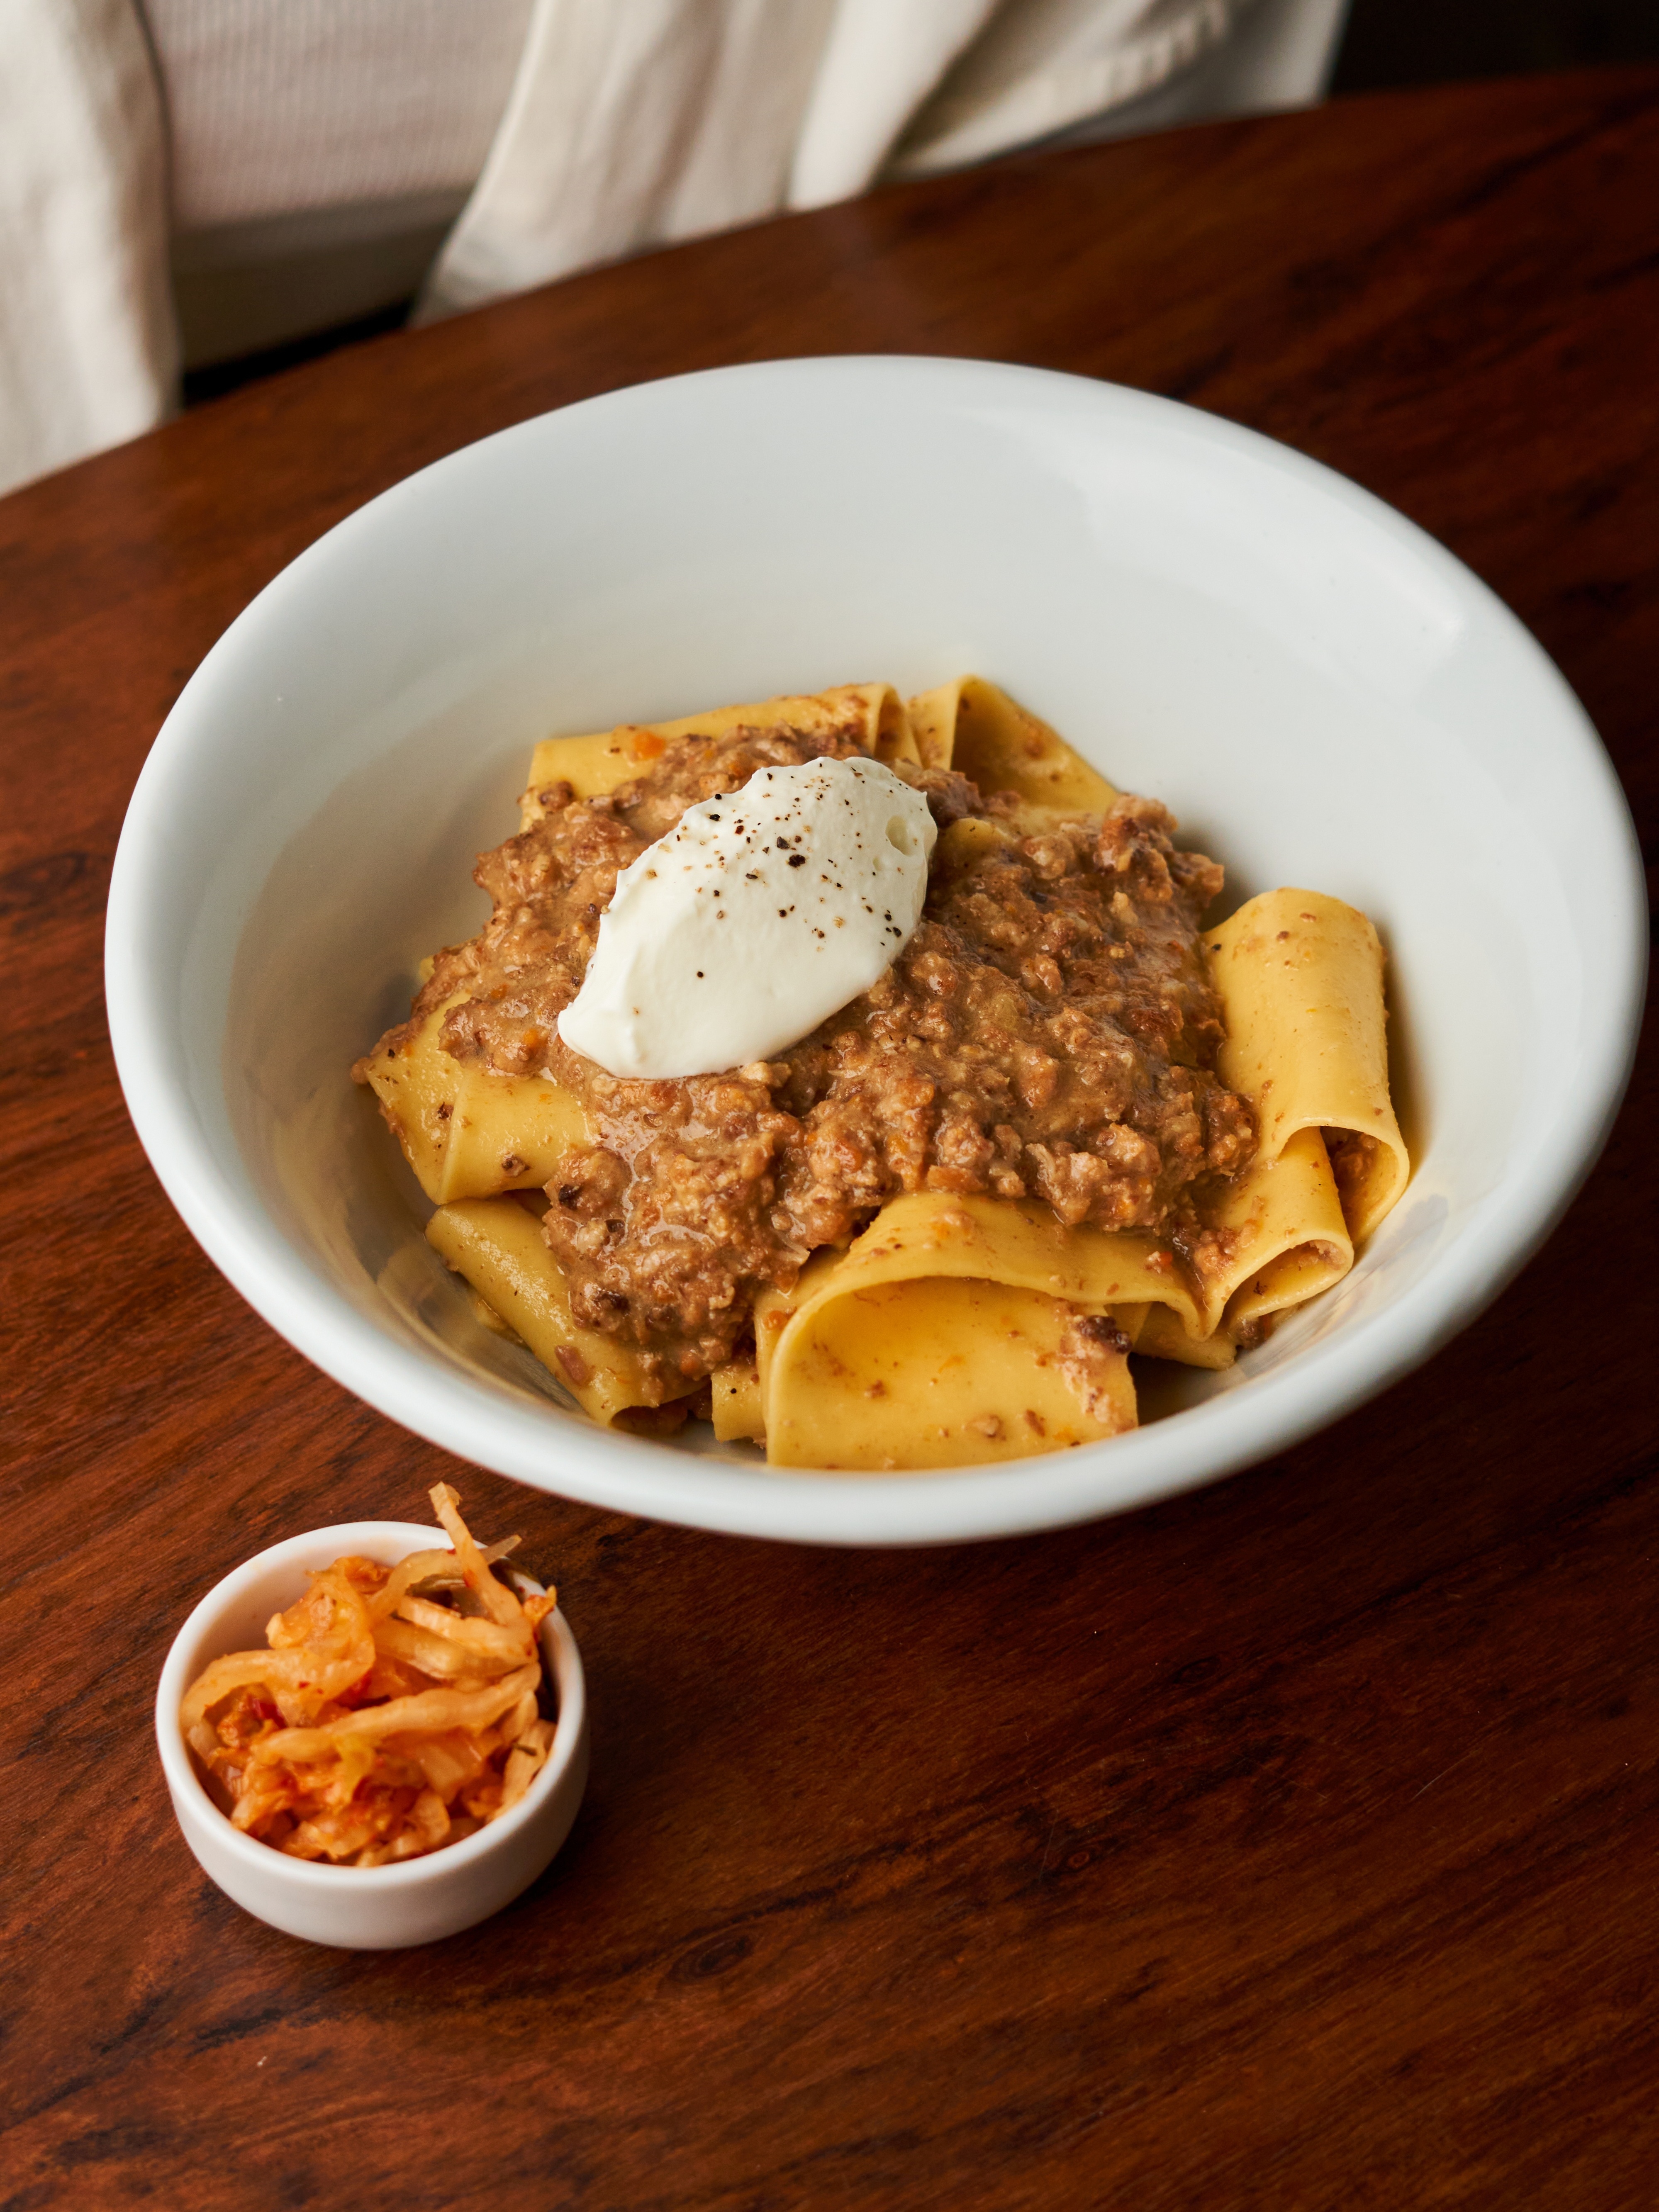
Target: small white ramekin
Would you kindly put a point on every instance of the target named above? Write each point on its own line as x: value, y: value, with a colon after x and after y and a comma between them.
x: 383, y: 1908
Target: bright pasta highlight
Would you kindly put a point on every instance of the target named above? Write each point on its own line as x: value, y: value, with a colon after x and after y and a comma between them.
x: 1065, y: 1127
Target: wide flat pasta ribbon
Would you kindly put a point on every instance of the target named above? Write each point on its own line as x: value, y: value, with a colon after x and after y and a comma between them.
x: 594, y: 764
x: 949, y: 1333
x: 970, y: 726
x: 467, y: 1131
x: 497, y: 1244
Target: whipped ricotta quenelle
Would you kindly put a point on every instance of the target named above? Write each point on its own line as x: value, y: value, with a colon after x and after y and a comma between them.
x: 754, y: 919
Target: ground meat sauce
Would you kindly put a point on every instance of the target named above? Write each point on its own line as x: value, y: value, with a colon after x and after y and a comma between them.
x: 1049, y: 1031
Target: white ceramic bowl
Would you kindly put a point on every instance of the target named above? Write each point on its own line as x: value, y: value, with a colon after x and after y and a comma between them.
x: 363, y: 1908
x: 1322, y: 693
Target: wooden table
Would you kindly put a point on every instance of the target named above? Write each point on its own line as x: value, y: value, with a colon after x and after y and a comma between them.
x: 1293, y: 1843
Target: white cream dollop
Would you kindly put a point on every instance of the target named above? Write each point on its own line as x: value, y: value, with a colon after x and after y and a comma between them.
x: 755, y: 917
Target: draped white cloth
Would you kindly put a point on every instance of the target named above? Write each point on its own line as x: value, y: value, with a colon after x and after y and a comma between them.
x: 626, y: 124
x: 635, y: 125
x: 87, y: 352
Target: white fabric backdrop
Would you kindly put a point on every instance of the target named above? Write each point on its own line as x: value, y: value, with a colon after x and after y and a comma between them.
x: 619, y: 124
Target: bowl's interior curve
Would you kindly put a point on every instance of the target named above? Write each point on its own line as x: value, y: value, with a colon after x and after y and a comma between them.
x: 1322, y: 696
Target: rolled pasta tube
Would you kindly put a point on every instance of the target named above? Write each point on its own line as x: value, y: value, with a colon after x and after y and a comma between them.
x: 594, y: 764
x: 1300, y: 978
x: 970, y: 726
x: 466, y: 1131
x: 933, y: 722
x: 1291, y: 1279
x: 1289, y: 1240
x: 498, y: 1246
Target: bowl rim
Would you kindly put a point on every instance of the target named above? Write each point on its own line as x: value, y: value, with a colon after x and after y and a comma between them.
x: 485, y: 1424
x: 450, y: 1859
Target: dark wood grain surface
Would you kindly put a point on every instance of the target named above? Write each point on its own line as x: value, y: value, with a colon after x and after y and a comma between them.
x: 1290, y: 1844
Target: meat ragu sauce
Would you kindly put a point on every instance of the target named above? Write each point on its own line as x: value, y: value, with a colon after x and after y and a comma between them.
x: 1049, y: 1031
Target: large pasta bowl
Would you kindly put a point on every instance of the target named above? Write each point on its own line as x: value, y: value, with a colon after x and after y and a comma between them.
x: 1322, y: 694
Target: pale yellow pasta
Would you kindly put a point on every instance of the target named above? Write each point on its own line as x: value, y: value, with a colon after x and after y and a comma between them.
x: 939, y: 1371
x: 970, y: 726
x: 736, y: 1409
x: 497, y: 1244
x: 1014, y: 1241
x: 1300, y: 977
x: 466, y: 1131
x: 1292, y: 1240
x: 1164, y: 1335
x: 594, y: 764
x: 941, y: 1356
